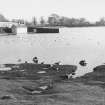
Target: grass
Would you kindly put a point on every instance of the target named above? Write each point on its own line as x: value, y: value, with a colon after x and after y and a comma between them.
x: 68, y: 93
x: 63, y: 92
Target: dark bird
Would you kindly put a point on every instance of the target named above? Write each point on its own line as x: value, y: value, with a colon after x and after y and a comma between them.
x: 83, y: 63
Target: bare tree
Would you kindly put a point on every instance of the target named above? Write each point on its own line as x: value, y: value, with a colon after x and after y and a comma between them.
x: 42, y: 21
x: 34, y: 21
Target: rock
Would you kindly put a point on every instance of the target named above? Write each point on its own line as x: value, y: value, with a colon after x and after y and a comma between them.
x: 41, y: 72
x: 29, y: 88
x: 6, y: 97
x: 5, y: 69
x: 100, y: 68
x: 44, y: 87
x: 36, y: 92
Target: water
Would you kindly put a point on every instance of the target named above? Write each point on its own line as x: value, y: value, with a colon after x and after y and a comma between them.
x: 69, y: 46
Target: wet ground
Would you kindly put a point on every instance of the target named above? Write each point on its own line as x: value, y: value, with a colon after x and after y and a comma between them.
x: 16, y: 89
x: 63, y: 93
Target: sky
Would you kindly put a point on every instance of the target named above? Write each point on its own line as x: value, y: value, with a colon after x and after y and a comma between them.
x: 92, y: 10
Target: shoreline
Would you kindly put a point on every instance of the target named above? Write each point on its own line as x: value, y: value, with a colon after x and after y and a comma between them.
x: 20, y: 86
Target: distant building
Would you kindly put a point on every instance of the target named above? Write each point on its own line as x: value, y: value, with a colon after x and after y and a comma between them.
x: 21, y: 30
x: 8, y: 28
x: 12, y: 28
x: 19, y: 21
x: 7, y: 24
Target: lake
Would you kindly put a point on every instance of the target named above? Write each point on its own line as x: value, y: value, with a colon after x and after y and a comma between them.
x: 69, y: 46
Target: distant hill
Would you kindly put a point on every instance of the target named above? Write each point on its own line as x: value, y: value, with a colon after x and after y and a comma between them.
x: 3, y: 19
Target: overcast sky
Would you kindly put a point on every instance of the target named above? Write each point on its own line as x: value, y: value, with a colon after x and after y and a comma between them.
x: 26, y: 9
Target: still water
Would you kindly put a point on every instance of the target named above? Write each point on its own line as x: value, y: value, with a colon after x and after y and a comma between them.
x: 69, y: 46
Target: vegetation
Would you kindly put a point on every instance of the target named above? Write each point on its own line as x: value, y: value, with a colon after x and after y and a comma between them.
x: 42, y: 21
x: 34, y: 21
x: 20, y: 86
x: 56, y: 20
x: 3, y: 19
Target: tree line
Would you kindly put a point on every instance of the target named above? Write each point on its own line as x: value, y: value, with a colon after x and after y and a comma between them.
x: 56, y: 20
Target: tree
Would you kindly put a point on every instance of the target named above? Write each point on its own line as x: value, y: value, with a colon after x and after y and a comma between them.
x: 42, y: 21
x: 27, y: 23
x: 54, y: 20
x: 101, y: 22
x: 61, y: 21
x: 3, y: 19
x: 34, y: 21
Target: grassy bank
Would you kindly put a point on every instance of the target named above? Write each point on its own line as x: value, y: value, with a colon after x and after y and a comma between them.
x: 19, y: 86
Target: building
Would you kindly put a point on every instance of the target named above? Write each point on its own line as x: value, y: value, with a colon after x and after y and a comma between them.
x: 22, y: 30
x: 8, y: 28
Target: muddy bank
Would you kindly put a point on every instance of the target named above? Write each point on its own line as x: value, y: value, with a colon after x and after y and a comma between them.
x: 31, y: 84
x: 36, y: 78
x: 97, y: 77
x: 35, y: 71
x: 62, y: 93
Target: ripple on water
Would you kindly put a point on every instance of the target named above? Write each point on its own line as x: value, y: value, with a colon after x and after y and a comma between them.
x: 69, y: 46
